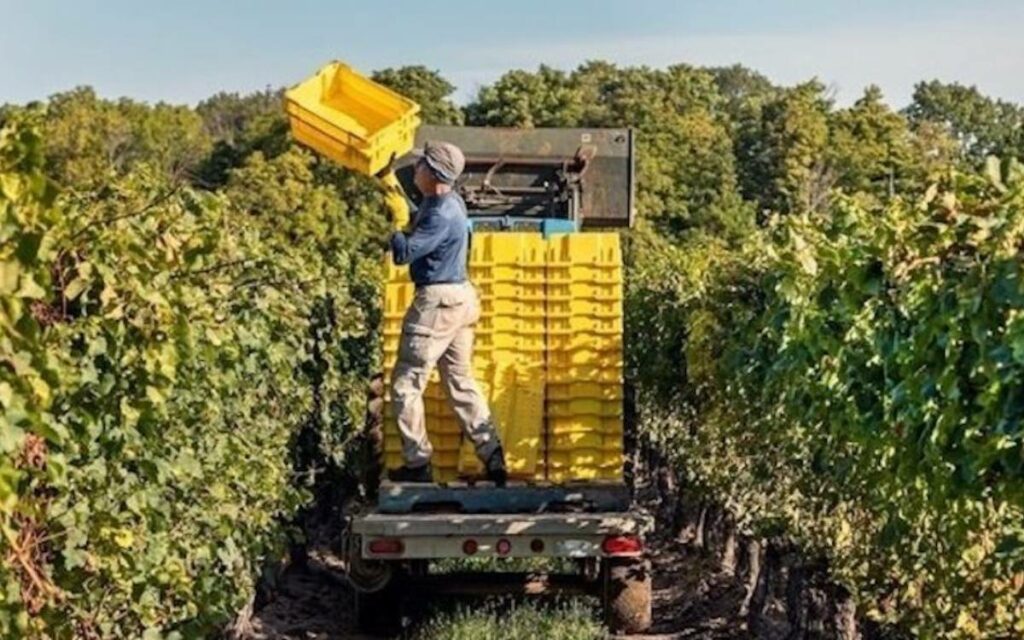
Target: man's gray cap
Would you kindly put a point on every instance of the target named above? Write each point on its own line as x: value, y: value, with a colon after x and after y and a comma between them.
x: 445, y: 160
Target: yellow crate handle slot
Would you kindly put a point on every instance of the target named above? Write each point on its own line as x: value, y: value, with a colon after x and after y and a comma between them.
x: 394, y: 199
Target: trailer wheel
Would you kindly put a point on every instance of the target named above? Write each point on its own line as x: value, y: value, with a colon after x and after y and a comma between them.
x: 626, y: 594
x: 380, y: 613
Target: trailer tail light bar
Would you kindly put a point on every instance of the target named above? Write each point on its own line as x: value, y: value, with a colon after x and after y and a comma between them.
x: 387, y: 547
x: 622, y: 546
x: 411, y: 547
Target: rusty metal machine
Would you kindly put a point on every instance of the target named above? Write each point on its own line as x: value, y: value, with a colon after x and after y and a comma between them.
x: 519, y: 178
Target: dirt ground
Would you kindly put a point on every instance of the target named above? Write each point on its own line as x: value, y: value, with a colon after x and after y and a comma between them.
x: 692, y: 597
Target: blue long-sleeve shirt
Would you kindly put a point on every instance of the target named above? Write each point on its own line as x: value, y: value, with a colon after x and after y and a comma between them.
x: 435, y: 249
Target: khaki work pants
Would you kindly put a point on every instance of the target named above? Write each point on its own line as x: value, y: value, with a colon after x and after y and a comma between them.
x: 438, y: 330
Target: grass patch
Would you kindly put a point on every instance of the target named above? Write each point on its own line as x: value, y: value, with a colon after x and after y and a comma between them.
x: 504, y: 565
x: 508, y: 619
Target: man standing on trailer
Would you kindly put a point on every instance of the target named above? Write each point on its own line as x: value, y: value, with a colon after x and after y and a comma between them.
x: 438, y: 326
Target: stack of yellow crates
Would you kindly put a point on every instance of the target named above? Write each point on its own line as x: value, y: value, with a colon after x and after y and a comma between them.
x: 584, y: 357
x: 547, y: 355
x: 508, y: 270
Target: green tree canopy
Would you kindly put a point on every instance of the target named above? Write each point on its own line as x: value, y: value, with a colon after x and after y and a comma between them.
x: 428, y: 88
x: 89, y: 140
x: 546, y: 98
x: 241, y: 125
x: 741, y: 86
x: 786, y: 156
x: 870, y: 148
x: 981, y: 125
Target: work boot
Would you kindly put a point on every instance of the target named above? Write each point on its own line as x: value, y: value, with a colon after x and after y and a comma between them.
x: 423, y: 474
x: 495, y: 466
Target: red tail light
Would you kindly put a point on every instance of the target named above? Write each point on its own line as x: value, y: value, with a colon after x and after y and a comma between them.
x: 387, y: 547
x: 537, y: 545
x: 469, y: 547
x: 622, y: 546
x: 503, y: 547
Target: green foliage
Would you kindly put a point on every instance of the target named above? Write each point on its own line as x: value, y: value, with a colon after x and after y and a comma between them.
x: 338, y: 217
x: 547, y: 98
x: 239, y: 127
x: 853, y: 378
x: 496, y: 620
x: 89, y: 141
x: 789, y: 170
x: 982, y: 126
x: 29, y: 371
x: 871, y: 148
x: 428, y: 88
x: 663, y: 280
x: 794, y: 151
x: 163, y: 351
x: 742, y: 88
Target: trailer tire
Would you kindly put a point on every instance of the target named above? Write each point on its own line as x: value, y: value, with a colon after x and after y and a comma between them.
x: 626, y: 594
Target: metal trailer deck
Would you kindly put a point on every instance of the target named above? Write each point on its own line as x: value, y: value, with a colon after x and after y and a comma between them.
x: 517, y: 497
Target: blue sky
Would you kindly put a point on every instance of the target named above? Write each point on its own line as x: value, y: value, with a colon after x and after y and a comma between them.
x: 184, y: 50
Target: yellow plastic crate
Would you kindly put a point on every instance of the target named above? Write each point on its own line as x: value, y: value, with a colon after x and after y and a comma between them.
x: 574, y: 357
x: 576, y: 440
x: 563, y: 291
x: 351, y: 119
x: 603, y: 425
x: 517, y: 405
x: 583, y: 389
x: 529, y: 292
x: 512, y: 257
x: 584, y: 406
x: 561, y: 375
x: 581, y: 260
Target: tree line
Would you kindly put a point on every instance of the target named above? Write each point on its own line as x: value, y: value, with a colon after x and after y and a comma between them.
x: 720, y: 148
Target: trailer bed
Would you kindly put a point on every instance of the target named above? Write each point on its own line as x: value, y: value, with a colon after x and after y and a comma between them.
x: 484, y: 497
